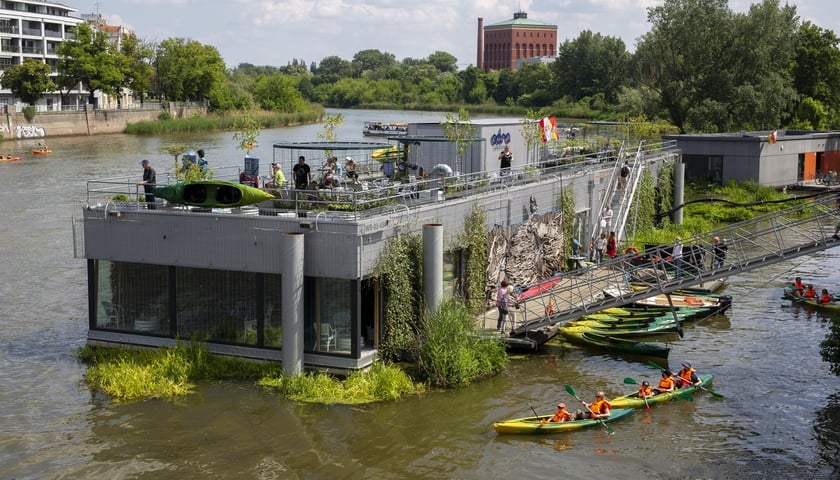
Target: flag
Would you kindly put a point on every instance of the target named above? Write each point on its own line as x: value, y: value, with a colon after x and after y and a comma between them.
x: 548, y: 129
x: 772, y: 137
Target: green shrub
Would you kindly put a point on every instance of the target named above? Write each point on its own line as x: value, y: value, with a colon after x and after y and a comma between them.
x: 449, y: 353
x: 382, y: 382
x: 29, y: 113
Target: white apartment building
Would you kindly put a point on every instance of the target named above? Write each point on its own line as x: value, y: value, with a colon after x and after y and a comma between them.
x: 33, y: 29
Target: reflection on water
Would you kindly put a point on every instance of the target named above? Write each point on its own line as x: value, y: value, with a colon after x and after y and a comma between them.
x: 780, y: 417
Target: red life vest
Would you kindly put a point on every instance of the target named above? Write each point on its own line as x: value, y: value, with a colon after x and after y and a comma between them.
x: 825, y: 299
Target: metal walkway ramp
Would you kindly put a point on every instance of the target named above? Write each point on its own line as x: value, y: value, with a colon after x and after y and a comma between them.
x: 765, y: 240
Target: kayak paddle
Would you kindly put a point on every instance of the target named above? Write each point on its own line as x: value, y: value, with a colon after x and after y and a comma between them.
x: 572, y: 393
x: 711, y: 392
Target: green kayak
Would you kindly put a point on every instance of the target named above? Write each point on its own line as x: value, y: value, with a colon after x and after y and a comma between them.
x: 212, y: 194
x: 632, y: 400
x: 532, y: 425
x: 626, y: 331
x: 812, y: 303
x: 614, y: 344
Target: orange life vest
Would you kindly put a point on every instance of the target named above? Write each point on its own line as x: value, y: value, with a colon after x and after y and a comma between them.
x: 810, y: 293
x: 825, y: 299
x: 799, y: 286
x: 666, y: 383
x: 561, y: 415
x: 600, y: 407
x: 645, y: 391
x: 685, y: 375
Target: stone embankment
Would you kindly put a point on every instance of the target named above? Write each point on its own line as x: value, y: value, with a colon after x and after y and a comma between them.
x: 87, y: 121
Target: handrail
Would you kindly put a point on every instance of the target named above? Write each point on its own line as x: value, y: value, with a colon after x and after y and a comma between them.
x: 800, y: 230
x: 350, y: 201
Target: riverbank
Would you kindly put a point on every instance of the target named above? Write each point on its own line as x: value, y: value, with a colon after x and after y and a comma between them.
x: 156, y: 119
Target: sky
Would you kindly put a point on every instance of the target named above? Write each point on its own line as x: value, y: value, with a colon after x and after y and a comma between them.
x: 274, y: 32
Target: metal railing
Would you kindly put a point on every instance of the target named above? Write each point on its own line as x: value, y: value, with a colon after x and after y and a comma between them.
x: 771, y: 238
x: 370, y: 197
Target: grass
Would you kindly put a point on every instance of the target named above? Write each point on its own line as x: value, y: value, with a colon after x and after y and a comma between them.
x: 226, y: 121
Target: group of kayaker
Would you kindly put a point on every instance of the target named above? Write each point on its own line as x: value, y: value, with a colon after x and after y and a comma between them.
x: 799, y: 289
x: 600, y: 407
x: 686, y: 377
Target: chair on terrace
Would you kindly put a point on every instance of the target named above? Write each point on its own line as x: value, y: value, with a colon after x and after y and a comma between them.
x: 114, y: 315
x: 327, y: 337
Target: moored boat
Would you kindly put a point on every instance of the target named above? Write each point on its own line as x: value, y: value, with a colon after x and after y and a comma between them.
x: 632, y: 400
x: 212, y: 194
x: 614, y: 344
x: 534, y: 425
x: 384, y: 129
x: 658, y: 328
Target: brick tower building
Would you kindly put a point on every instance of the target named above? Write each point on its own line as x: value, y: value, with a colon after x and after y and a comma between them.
x: 506, y: 44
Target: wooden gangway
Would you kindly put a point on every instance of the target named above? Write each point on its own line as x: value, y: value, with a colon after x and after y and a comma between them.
x: 803, y: 229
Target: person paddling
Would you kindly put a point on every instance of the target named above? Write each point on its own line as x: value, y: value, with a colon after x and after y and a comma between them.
x: 561, y: 415
x: 645, y: 390
x: 600, y: 408
x: 687, y: 376
x: 666, y: 383
x: 825, y: 297
x: 810, y: 292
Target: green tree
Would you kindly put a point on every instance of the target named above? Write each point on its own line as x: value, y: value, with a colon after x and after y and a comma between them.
x: 444, y: 62
x: 89, y: 58
x: 187, y: 70
x: 278, y: 93
x: 367, y: 61
x: 816, y: 68
x: 713, y: 70
x: 29, y: 80
x: 591, y: 64
x: 460, y: 131
x: 332, y: 69
x: 137, y: 65
x: 247, y: 130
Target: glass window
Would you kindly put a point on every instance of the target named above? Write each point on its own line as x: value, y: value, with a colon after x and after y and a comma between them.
x: 272, y: 308
x: 333, y: 315
x: 215, y: 305
x: 132, y: 296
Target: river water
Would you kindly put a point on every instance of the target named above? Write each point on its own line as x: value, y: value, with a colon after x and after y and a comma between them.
x: 780, y: 417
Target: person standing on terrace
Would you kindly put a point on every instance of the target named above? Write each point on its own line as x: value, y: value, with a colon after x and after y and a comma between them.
x: 302, y: 174
x: 149, y: 181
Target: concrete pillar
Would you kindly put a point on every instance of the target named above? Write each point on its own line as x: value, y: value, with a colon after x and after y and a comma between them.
x: 679, y: 192
x: 292, y: 252
x: 432, y: 265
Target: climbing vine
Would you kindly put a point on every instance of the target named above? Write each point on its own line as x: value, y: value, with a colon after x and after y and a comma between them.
x: 643, y: 208
x: 400, y: 274
x: 474, y: 242
x: 665, y: 193
x: 566, y: 205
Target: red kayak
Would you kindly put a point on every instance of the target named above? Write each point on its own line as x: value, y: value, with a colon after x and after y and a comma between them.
x: 9, y: 159
x: 539, y: 288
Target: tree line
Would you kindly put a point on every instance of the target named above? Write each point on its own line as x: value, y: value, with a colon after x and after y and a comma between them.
x: 701, y: 68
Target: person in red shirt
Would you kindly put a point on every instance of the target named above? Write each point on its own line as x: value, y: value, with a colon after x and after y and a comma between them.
x: 825, y: 297
x: 612, y: 245
x: 810, y: 292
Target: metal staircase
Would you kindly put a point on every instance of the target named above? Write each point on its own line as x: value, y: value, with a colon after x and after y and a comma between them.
x: 800, y: 230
